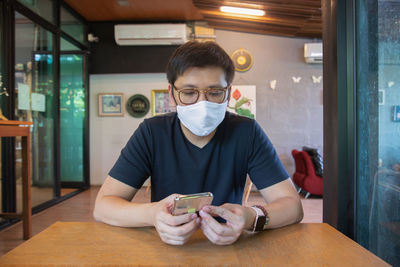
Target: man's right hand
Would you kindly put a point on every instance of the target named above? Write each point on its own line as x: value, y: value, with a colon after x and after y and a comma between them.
x: 173, y: 230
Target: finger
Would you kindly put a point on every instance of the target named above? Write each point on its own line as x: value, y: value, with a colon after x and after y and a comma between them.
x: 176, y: 220
x: 172, y: 241
x: 178, y: 230
x: 218, y: 228
x: 214, y: 237
x: 222, y: 212
x: 168, y: 238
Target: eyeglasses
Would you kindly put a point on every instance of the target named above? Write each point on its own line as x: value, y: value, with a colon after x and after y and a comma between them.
x: 189, y: 96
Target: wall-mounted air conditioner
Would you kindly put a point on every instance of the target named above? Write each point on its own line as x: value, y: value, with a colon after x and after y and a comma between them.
x: 313, y: 52
x: 151, y: 34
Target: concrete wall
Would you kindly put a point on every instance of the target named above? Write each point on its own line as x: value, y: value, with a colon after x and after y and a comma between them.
x: 291, y: 114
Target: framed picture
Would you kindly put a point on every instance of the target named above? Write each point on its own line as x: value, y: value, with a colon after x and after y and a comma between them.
x: 381, y: 97
x: 160, y: 102
x: 111, y: 104
x: 243, y: 100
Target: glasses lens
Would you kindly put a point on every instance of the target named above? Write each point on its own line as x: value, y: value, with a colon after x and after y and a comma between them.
x: 216, y: 95
x: 188, y: 96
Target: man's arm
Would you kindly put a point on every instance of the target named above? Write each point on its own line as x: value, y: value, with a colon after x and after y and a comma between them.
x: 113, y: 206
x: 283, y: 204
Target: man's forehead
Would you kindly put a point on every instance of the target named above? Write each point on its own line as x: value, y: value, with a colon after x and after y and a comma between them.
x: 211, y: 74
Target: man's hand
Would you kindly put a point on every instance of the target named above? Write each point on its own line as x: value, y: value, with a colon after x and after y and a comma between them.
x: 173, y: 230
x: 238, y: 218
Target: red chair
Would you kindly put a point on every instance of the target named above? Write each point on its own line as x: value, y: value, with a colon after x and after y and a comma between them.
x: 305, y: 177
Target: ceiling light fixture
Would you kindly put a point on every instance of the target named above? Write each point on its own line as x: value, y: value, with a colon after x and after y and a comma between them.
x: 242, y: 11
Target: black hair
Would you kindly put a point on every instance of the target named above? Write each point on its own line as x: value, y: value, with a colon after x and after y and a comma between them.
x: 199, y: 54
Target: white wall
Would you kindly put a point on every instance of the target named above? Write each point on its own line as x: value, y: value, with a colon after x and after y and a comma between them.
x: 291, y: 115
x: 108, y: 135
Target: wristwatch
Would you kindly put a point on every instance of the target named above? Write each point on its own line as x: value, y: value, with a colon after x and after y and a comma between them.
x: 261, y: 220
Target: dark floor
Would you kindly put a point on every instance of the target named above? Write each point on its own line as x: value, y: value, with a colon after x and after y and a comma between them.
x: 79, y: 208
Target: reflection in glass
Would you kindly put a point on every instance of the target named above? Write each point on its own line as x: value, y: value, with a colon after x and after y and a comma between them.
x: 67, y: 46
x: 71, y: 25
x: 34, y: 90
x: 44, y: 8
x: 72, y: 117
x: 378, y: 94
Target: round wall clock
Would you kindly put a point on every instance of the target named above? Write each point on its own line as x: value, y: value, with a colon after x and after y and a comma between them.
x: 242, y: 60
x: 138, y: 106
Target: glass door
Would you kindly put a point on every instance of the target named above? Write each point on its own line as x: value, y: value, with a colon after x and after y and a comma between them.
x: 73, y: 117
x: 35, y: 101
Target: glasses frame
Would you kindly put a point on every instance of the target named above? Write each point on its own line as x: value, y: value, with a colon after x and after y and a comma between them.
x: 200, y: 90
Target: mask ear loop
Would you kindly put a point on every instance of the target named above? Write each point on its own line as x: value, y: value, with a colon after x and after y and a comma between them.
x: 172, y: 94
x: 228, y: 92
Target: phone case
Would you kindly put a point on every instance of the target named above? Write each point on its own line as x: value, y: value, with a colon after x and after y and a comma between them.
x: 191, y: 203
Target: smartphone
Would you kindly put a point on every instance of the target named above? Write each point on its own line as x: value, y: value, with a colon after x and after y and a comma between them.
x: 191, y: 203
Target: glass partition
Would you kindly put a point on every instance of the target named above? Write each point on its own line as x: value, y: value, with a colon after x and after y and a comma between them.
x: 378, y: 135
x: 34, y: 101
x: 72, y: 25
x: 44, y: 8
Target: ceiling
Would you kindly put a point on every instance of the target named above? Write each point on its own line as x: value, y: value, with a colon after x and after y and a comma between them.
x: 293, y: 18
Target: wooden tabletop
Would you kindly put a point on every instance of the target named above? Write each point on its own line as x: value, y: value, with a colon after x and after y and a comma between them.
x: 15, y: 122
x: 96, y: 244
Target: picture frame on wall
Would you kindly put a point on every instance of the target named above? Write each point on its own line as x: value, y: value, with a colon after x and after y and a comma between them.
x: 160, y: 102
x: 111, y: 104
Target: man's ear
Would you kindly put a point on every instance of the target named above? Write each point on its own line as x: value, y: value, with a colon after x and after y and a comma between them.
x: 172, y: 102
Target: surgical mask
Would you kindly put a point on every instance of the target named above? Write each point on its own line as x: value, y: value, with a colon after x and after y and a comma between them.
x: 202, y: 117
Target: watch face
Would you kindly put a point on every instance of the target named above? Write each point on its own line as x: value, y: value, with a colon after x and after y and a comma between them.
x: 261, y: 220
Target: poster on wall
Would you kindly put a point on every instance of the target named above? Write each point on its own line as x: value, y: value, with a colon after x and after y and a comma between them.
x: 23, y: 97
x: 243, y: 100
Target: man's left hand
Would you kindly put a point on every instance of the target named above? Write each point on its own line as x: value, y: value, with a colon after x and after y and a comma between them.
x: 238, y: 218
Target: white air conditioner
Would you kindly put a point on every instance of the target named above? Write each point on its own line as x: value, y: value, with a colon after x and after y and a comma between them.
x: 150, y: 34
x: 313, y: 52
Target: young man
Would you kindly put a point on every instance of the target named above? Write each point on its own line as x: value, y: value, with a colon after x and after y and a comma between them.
x: 201, y: 148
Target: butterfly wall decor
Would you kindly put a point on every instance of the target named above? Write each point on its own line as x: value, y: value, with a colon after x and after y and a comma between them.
x: 316, y: 79
x: 296, y: 79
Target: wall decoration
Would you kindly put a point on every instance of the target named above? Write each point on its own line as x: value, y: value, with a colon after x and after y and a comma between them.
x: 316, y: 79
x: 381, y: 97
x: 138, y: 106
x: 160, y: 102
x: 242, y: 60
x: 390, y: 84
x: 396, y: 113
x: 111, y: 104
x: 243, y: 100
x: 272, y: 84
x: 296, y: 79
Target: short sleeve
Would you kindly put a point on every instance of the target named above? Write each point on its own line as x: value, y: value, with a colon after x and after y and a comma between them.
x: 264, y: 166
x: 133, y: 166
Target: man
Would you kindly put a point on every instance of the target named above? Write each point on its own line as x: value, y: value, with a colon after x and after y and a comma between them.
x: 200, y: 148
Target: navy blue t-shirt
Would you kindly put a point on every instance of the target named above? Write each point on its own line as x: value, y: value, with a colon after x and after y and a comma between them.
x: 158, y: 148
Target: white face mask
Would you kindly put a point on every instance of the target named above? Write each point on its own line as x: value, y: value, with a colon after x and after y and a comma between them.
x: 202, y: 117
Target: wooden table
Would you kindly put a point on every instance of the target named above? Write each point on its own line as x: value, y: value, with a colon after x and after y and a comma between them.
x: 14, y: 129
x: 97, y: 244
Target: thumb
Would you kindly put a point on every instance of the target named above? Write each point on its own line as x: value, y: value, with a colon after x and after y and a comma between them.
x: 170, y: 199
